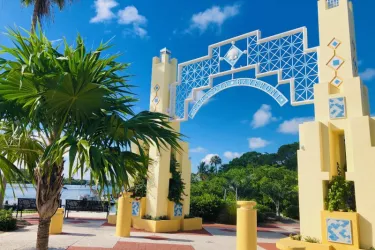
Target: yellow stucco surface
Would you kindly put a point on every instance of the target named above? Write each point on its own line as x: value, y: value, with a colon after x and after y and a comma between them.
x: 191, y: 224
x: 161, y: 226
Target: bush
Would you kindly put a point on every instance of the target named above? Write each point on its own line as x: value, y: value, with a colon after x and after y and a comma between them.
x: 263, y: 213
x: 7, y: 222
x: 206, y: 206
x: 292, y: 212
x: 228, y: 214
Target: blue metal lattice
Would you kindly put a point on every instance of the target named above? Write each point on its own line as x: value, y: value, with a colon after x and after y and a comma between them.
x: 285, y: 54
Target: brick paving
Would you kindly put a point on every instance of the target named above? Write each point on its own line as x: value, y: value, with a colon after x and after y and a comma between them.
x: 86, y: 231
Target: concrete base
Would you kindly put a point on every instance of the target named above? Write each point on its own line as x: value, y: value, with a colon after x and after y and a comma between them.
x: 112, y: 219
x: 161, y: 226
x: 191, y: 224
x: 289, y: 244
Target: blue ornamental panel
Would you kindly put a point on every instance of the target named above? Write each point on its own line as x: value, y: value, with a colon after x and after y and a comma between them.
x: 135, y: 208
x: 339, y: 231
x: 177, y: 210
x: 337, y: 108
x: 332, y: 3
x: 285, y: 55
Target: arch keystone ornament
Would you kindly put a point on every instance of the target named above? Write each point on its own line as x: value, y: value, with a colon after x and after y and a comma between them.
x: 325, y: 76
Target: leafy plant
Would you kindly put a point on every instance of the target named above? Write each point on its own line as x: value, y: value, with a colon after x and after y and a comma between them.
x: 206, y: 206
x: 311, y: 239
x: 176, y: 184
x: 139, y: 187
x: 7, y: 222
x: 189, y: 216
x: 341, y: 194
x: 228, y: 214
x: 163, y: 217
x: 147, y: 217
x: 295, y: 237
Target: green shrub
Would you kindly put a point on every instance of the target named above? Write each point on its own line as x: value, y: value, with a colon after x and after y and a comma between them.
x: 176, y: 184
x: 263, y: 213
x: 206, y: 206
x: 163, y: 217
x: 228, y: 214
x: 295, y: 237
x: 291, y: 212
x: 7, y: 222
x: 311, y: 239
x: 189, y: 216
x: 147, y: 217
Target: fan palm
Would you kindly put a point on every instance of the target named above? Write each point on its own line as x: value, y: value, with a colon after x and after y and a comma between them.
x: 215, y: 160
x: 43, y: 8
x: 74, y: 103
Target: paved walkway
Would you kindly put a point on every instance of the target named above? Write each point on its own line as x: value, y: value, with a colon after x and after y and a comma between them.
x: 83, y: 231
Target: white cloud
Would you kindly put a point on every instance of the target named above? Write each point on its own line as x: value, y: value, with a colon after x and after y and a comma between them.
x: 231, y: 155
x: 103, y: 11
x: 207, y: 158
x: 292, y: 126
x: 130, y: 16
x: 368, y: 74
x: 214, y: 16
x: 262, y: 117
x: 198, y: 150
x: 257, y: 142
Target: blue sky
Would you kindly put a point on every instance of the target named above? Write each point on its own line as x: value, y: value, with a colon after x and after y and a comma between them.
x: 235, y: 121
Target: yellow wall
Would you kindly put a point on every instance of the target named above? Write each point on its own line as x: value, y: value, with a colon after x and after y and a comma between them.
x: 321, y: 146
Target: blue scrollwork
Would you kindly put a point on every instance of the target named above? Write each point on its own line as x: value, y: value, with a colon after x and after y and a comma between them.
x: 247, y: 82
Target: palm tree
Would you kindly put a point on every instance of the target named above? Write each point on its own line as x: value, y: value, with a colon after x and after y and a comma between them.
x: 43, y: 8
x: 76, y: 103
x: 202, y: 170
x: 215, y: 161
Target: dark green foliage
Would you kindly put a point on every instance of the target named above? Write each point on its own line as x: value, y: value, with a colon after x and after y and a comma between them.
x: 341, y: 195
x: 311, y: 239
x: 228, y: 214
x: 163, y: 217
x: 176, y: 184
x: 189, y: 216
x: 139, y: 187
x: 206, y: 206
x: 295, y: 237
x: 147, y: 217
x: 291, y: 212
x: 262, y: 212
x: 7, y: 222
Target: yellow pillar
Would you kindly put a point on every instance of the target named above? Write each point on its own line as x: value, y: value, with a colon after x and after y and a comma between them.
x: 124, y: 215
x: 246, y: 225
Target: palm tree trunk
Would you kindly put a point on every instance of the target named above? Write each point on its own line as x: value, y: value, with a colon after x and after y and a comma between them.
x: 35, y: 15
x: 2, y: 195
x: 48, y: 193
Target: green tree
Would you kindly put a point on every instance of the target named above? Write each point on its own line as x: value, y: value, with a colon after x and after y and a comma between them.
x: 43, y: 8
x: 215, y: 161
x: 287, y: 156
x: 176, y: 183
x: 276, y: 184
x: 202, y: 171
x: 77, y: 102
x: 239, y: 181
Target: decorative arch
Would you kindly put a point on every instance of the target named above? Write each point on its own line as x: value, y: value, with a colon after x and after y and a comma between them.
x: 285, y: 55
x: 244, y: 82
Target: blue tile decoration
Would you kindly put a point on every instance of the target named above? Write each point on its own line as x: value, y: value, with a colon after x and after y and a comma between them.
x: 135, y: 208
x: 157, y: 87
x: 333, y: 3
x: 336, y: 81
x: 334, y: 44
x: 156, y: 100
x: 336, y: 62
x: 339, y: 231
x: 177, y: 210
x: 337, y: 108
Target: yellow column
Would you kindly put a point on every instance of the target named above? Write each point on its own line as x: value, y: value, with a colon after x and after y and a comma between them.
x: 246, y: 225
x: 163, y: 74
x: 185, y: 168
x: 124, y: 215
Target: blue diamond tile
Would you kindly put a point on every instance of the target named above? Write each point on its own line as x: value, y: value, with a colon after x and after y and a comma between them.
x: 177, y: 210
x: 336, y: 81
x: 233, y: 55
x: 135, y: 208
x: 335, y: 62
x: 156, y: 100
x: 334, y: 44
x: 156, y: 88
